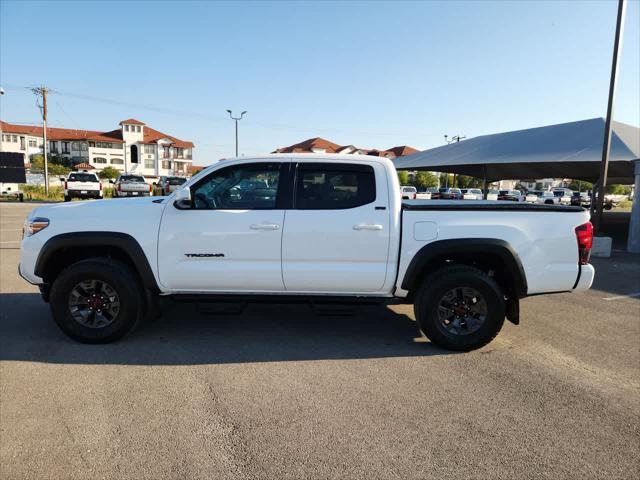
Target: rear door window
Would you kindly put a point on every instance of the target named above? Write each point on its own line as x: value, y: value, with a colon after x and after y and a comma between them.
x: 334, y: 186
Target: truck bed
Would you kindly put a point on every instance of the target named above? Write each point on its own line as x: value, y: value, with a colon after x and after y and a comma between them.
x: 486, y: 205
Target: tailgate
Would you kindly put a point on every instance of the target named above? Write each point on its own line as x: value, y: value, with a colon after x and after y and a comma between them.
x: 83, y: 186
x: 134, y: 187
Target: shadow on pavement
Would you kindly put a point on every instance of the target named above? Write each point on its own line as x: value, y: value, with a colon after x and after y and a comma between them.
x: 618, y: 275
x: 183, y: 336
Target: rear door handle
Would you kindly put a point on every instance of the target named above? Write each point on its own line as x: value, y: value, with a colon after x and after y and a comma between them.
x: 264, y: 226
x: 365, y: 226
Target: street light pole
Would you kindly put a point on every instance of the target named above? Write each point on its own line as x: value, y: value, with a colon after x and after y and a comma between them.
x: 236, y: 119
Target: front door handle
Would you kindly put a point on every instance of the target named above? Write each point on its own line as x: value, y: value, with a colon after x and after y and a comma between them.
x: 264, y: 226
x: 366, y: 226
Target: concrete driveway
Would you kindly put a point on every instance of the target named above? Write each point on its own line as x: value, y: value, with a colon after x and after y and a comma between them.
x: 283, y: 392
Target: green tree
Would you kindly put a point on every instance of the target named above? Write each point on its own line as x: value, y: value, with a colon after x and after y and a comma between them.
x: 581, y: 186
x: 617, y: 189
x: 55, y: 167
x: 465, y: 181
x: 403, y: 177
x: 108, y: 173
x: 424, y: 179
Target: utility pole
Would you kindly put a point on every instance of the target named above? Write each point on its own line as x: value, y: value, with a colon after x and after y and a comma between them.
x: 42, y: 92
x: 606, y: 144
x: 237, y: 119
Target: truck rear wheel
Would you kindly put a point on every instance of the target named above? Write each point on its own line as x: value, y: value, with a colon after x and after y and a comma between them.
x: 460, y: 308
x: 97, y: 300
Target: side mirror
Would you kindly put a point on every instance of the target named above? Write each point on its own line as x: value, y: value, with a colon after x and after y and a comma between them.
x: 111, y: 181
x: 62, y: 179
x: 182, y: 199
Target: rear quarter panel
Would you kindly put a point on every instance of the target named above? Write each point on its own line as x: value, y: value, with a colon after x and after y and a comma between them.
x: 544, y: 241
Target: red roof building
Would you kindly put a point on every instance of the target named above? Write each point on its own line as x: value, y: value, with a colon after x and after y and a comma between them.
x: 132, y: 148
x: 321, y: 145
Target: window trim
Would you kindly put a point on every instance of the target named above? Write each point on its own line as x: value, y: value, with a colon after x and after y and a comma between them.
x: 346, y: 167
x: 283, y: 194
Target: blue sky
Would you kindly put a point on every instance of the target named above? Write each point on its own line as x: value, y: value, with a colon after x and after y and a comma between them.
x: 373, y: 74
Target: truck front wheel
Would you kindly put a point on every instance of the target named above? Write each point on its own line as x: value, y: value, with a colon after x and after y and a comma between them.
x: 97, y: 300
x: 460, y: 308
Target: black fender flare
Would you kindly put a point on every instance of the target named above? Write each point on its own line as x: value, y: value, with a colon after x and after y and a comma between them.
x: 122, y: 241
x: 473, y: 246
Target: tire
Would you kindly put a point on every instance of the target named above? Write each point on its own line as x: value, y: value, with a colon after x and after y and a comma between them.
x: 109, y: 276
x: 460, y: 279
x: 67, y: 198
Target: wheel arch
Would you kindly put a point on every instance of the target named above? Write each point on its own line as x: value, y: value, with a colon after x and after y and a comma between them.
x: 485, y: 253
x: 61, y: 250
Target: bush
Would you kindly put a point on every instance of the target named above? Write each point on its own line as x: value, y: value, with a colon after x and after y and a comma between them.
x: 403, y: 177
x: 109, y: 173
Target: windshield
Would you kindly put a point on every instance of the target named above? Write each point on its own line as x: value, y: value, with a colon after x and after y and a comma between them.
x: 131, y: 178
x: 176, y: 180
x: 408, y: 189
x: 82, y: 177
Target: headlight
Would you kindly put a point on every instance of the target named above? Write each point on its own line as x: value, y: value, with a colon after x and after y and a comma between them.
x: 34, y: 225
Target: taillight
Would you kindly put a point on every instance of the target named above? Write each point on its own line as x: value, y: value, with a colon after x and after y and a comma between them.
x: 119, y: 187
x: 100, y: 185
x: 150, y: 190
x: 65, y: 185
x: 584, y: 234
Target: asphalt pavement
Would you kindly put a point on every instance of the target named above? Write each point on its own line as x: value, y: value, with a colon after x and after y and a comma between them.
x: 287, y: 392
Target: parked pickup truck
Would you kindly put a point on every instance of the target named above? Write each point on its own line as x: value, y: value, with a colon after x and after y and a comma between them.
x: 81, y: 185
x: 131, y: 186
x: 303, y: 228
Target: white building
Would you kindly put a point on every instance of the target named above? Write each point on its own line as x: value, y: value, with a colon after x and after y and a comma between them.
x: 132, y: 148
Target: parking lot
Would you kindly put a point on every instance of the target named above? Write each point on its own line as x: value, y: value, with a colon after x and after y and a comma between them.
x: 288, y: 392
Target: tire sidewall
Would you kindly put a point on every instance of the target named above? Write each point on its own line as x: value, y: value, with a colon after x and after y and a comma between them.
x: 121, y: 281
x: 427, y: 309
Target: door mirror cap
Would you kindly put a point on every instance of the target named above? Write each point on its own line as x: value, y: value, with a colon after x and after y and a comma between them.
x: 62, y: 179
x: 182, y: 200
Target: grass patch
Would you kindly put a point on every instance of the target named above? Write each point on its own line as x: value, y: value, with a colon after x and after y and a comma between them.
x: 625, y: 205
x: 56, y: 194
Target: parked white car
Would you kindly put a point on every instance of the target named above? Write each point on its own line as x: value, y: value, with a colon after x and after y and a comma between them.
x: 549, y: 198
x: 533, y: 196
x: 564, y: 195
x: 472, y: 194
x: 81, y: 185
x: 408, y: 192
x: 11, y: 190
x: 303, y: 228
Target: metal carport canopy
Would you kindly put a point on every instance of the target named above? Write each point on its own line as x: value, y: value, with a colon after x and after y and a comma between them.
x: 567, y: 150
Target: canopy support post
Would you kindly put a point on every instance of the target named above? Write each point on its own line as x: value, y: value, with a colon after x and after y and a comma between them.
x: 606, y: 144
x: 633, y: 241
x: 485, y: 184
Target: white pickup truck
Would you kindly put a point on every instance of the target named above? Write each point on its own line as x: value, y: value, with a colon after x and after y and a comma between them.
x: 131, y: 186
x: 81, y: 185
x: 303, y: 228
